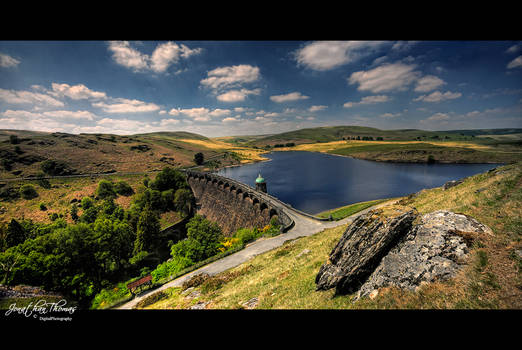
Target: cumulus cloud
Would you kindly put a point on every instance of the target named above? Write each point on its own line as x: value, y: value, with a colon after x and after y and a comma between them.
x: 367, y: 100
x: 292, y: 96
x: 201, y: 114
x: 388, y: 77
x: 76, y: 92
x: 28, y: 97
x: 7, y: 61
x: 326, y: 55
x: 438, y: 96
x: 317, y: 108
x: 162, y: 57
x: 237, y: 95
x: 517, y: 62
x: 126, y: 56
x: 123, y: 105
x: 428, y: 83
x: 168, y: 53
x: 231, y: 76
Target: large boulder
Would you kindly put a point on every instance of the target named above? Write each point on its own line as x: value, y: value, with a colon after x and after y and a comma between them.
x: 380, y: 250
x: 434, y: 250
x: 362, y: 246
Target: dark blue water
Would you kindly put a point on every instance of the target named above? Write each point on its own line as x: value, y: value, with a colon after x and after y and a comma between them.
x: 315, y: 182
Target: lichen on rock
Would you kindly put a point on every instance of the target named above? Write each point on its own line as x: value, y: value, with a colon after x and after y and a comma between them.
x: 404, y: 251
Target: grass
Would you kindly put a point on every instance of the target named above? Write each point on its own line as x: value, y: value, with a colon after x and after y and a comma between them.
x: 284, y: 278
x: 342, y: 212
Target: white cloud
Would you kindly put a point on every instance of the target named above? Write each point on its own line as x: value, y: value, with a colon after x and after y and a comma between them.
x: 123, y: 105
x: 168, y: 122
x: 438, y: 116
x: 162, y: 57
x: 438, y: 96
x: 513, y: 49
x: 403, y: 45
x: 388, y: 77
x: 367, y: 100
x: 428, y: 83
x: 128, y: 57
x: 76, y: 92
x: 326, y: 55
x: 7, y: 61
x: 231, y: 119
x: 77, y: 115
x: 231, y: 76
x: 201, y: 114
x: 517, y: 62
x: 292, y: 96
x: 168, y: 53
x: 317, y: 108
x: 237, y: 95
x: 27, y: 97
x: 389, y: 115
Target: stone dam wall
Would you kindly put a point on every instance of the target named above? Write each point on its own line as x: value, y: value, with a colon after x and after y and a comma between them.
x: 233, y: 205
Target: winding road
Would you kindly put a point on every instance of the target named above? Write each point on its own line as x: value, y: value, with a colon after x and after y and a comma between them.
x: 304, y: 226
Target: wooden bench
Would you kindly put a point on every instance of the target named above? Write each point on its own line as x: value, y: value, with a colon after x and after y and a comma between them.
x: 147, y: 280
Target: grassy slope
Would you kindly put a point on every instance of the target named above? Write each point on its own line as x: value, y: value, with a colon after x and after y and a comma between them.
x: 99, y: 153
x: 284, y: 278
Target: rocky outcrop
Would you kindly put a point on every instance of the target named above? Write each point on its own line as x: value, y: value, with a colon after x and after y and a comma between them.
x: 432, y: 248
x: 361, y: 248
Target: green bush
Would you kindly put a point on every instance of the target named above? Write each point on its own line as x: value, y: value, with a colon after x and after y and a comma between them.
x: 42, y: 207
x: 28, y: 192
x: 246, y: 235
x: 123, y: 188
x: 105, y: 190
x: 87, y: 202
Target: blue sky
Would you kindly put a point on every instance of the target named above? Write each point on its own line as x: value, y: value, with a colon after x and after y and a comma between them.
x: 223, y: 88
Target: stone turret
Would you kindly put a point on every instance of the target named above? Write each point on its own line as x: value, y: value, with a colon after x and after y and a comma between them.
x: 260, y: 184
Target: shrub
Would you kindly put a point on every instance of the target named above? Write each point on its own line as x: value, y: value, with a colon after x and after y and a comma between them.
x: 105, y: 190
x: 13, y: 139
x: 123, y: 188
x: 87, y: 202
x: 28, y: 192
x: 43, y: 207
x: 199, y: 158
x: 53, y: 167
x: 246, y: 235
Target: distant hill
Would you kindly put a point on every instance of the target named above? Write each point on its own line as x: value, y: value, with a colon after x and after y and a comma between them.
x: 24, y: 155
x: 175, y: 135
x: 335, y: 133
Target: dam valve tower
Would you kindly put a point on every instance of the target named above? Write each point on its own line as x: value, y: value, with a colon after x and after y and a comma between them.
x: 260, y: 184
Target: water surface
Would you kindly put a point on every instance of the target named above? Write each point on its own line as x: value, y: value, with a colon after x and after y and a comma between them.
x: 315, y: 182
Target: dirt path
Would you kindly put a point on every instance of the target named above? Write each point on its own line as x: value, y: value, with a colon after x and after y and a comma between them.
x: 304, y: 226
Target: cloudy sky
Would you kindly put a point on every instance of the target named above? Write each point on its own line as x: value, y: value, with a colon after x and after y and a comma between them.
x: 218, y: 88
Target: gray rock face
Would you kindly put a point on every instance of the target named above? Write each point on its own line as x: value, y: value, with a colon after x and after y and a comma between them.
x: 432, y: 250
x: 360, y: 250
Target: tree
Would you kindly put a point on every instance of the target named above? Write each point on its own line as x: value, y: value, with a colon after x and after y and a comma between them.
x: 13, y: 139
x: 203, y: 238
x: 183, y: 200
x: 15, y: 234
x: 167, y: 179
x: 199, y: 158
x: 147, y: 228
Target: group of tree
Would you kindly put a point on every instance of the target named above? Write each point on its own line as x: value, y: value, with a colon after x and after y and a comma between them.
x: 105, y: 244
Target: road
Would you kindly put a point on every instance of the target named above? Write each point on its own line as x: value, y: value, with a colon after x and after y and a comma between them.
x: 304, y: 226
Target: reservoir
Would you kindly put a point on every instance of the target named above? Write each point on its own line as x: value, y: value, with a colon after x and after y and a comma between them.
x: 314, y: 182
